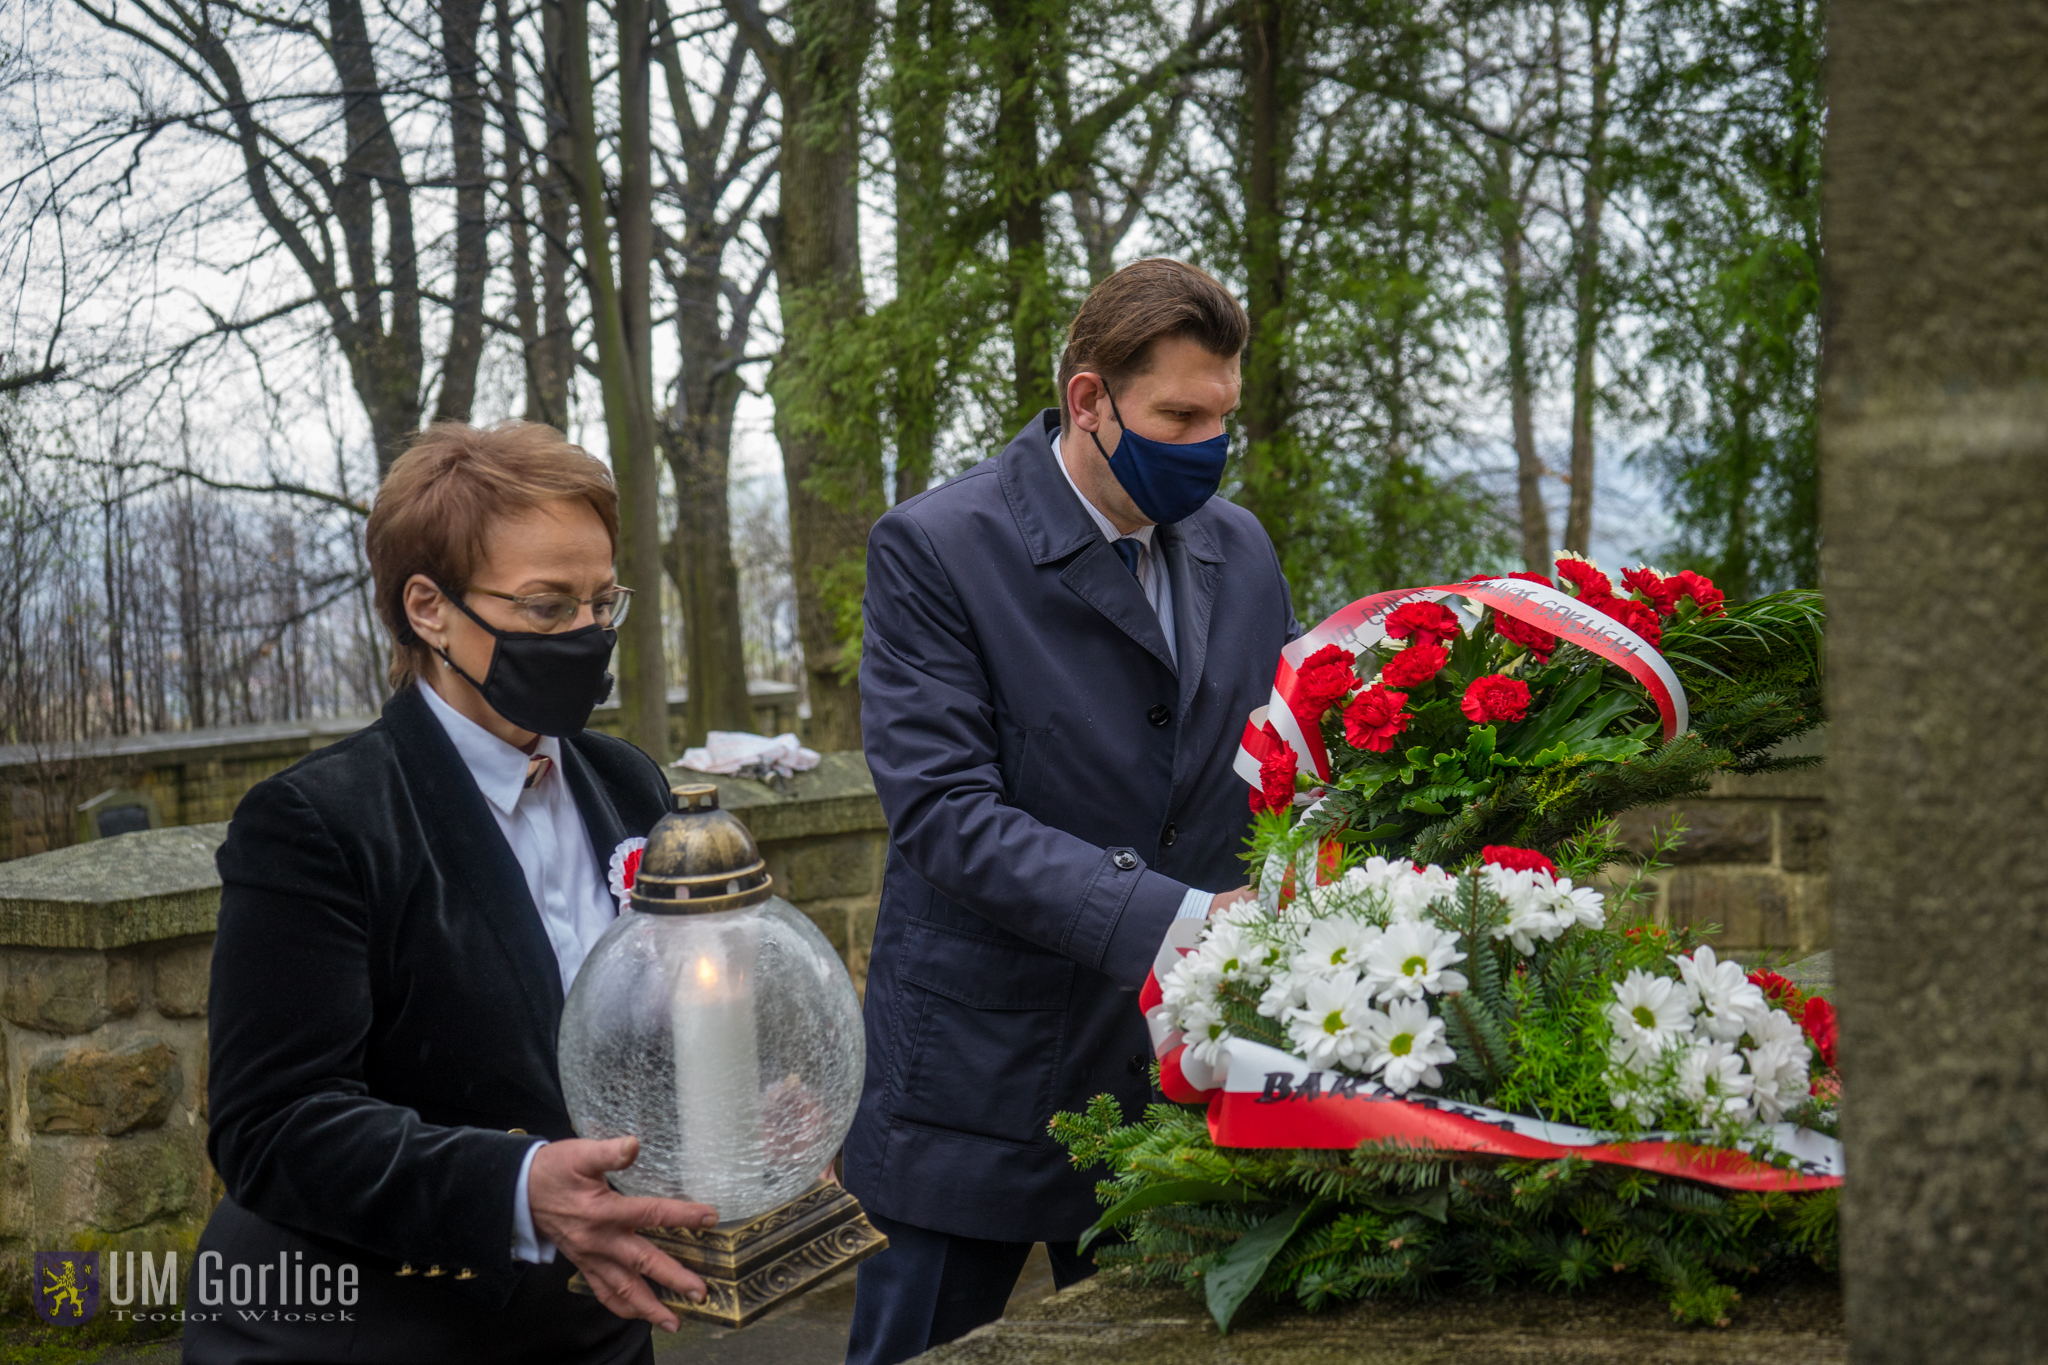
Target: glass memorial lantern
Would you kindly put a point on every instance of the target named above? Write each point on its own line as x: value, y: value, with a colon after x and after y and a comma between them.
x: 714, y: 1022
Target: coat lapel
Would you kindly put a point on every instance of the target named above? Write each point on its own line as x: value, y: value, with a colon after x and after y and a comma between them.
x: 1194, y: 565
x: 474, y: 858
x: 1055, y: 525
x: 600, y: 817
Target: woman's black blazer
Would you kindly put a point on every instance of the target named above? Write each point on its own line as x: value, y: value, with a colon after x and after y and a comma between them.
x: 385, y: 999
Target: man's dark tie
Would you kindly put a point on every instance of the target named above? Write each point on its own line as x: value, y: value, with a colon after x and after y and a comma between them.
x: 1128, y: 549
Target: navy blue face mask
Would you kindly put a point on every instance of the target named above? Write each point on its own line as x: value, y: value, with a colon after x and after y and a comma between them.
x: 1167, y: 480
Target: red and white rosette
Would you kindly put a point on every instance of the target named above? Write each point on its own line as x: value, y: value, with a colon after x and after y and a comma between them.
x: 1362, y: 625
x: 625, y: 869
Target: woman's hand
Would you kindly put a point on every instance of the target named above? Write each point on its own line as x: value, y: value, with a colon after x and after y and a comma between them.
x: 593, y: 1225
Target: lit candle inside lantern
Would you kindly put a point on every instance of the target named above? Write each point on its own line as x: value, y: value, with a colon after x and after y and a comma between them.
x: 718, y: 1070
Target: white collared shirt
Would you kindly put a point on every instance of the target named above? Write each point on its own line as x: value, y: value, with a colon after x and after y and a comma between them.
x: 552, y: 844
x: 1158, y: 588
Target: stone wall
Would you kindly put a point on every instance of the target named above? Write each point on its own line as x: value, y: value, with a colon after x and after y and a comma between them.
x: 1754, y: 862
x: 105, y: 949
x: 104, y: 952
x: 199, y: 776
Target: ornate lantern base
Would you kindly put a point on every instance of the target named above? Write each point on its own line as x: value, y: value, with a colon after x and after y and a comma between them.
x: 769, y: 1260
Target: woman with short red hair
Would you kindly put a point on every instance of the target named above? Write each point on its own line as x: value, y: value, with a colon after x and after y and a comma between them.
x: 401, y: 916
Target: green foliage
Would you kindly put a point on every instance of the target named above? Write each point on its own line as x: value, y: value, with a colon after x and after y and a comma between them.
x: 1390, y: 1219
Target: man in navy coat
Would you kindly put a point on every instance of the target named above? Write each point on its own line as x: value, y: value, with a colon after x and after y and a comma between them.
x: 1062, y: 645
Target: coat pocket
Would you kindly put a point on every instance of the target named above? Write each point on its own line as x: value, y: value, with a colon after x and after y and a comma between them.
x: 988, y: 1017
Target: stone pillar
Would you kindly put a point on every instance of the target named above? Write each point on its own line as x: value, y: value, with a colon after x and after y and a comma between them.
x: 1934, y: 439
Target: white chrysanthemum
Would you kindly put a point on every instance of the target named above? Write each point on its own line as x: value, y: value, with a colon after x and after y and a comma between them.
x: 1728, y: 998
x: 1334, y: 1026
x: 1411, y: 959
x: 1232, y: 955
x: 1577, y: 905
x: 1408, y: 1046
x: 1194, y: 980
x: 1711, y: 1078
x: 1206, y: 1034
x: 1284, y: 992
x: 1778, y: 1072
x: 1767, y: 1026
x: 1528, y: 924
x: 1333, y: 945
x: 1244, y: 914
x: 1649, y: 1014
x: 1630, y: 1089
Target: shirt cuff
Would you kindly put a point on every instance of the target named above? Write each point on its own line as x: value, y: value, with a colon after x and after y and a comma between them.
x: 526, y: 1245
x: 1195, y: 904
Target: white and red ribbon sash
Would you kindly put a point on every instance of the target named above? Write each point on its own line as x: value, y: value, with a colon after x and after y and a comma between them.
x: 1268, y: 1098
x: 1362, y: 625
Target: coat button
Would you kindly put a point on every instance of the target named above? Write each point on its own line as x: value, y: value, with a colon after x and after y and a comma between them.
x: 1125, y: 859
x: 1168, y: 835
x: 1159, y: 715
x: 1139, y: 1064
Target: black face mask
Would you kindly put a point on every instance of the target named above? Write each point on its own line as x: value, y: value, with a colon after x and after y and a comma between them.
x: 546, y: 683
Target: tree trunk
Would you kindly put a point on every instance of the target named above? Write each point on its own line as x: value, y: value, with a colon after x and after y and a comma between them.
x: 386, y: 358
x: 619, y: 318
x: 518, y: 161
x: 921, y: 42
x: 460, y: 22
x: 1020, y: 36
x: 554, y: 358
x: 831, y: 460
x: 1586, y: 301
x: 1272, y: 112
x: 1506, y: 208
x: 1934, y: 443
x: 699, y: 449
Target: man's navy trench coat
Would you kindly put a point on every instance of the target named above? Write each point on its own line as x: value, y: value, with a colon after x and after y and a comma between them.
x: 1055, y: 781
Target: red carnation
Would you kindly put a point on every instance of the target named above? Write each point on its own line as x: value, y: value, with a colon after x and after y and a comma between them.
x: 1533, y: 578
x: 1631, y: 613
x: 1654, y: 588
x: 1324, y: 679
x: 1517, y: 859
x: 1423, y: 620
x: 1276, y: 777
x: 1819, y: 1022
x: 1590, y: 582
x: 1415, y: 665
x: 1495, y: 697
x: 1701, y: 590
x: 1532, y: 638
x: 1375, y: 716
x: 1779, y: 990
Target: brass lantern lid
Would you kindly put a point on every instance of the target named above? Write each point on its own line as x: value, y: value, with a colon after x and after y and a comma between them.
x: 699, y: 859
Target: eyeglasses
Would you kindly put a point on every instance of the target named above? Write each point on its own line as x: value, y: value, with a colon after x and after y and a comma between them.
x: 553, y: 610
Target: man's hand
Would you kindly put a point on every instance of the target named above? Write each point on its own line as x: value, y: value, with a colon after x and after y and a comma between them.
x: 1225, y: 899
x: 593, y: 1225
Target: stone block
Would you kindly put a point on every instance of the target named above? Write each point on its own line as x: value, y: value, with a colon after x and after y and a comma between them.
x: 1753, y: 907
x: 182, y: 973
x: 1803, y: 838
x: 92, y: 1090
x: 831, y: 921
x: 124, y: 983
x: 62, y: 992
x: 147, y: 1177
x: 17, y: 1198
x: 850, y: 865
x: 1716, y: 831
